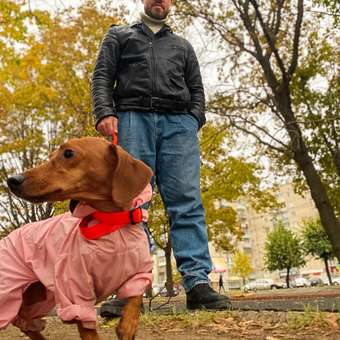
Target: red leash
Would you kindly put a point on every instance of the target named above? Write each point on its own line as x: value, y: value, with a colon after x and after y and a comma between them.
x: 114, y: 140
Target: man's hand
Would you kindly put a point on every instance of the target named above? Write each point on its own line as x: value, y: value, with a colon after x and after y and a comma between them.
x: 108, y: 126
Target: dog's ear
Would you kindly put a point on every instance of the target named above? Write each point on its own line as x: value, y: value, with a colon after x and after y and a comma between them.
x: 130, y: 177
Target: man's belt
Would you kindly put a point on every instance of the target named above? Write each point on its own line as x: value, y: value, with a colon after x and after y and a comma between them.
x: 154, y: 103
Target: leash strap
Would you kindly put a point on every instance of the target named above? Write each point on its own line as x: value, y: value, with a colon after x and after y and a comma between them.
x: 114, y: 139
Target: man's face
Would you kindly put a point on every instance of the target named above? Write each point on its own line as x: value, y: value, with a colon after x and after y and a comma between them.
x: 157, y: 9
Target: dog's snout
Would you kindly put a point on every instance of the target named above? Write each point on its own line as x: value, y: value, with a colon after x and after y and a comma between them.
x: 15, y: 181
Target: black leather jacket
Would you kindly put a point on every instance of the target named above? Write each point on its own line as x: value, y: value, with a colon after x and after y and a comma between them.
x: 137, y: 70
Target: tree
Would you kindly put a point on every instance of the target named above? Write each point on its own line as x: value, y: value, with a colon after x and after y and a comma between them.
x: 317, y: 244
x: 158, y: 224
x: 45, y: 69
x: 241, y: 266
x: 283, y: 251
x: 18, y: 118
x: 271, y: 57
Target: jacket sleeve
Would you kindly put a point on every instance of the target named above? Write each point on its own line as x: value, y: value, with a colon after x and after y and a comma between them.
x: 194, y: 83
x: 103, y: 77
x: 75, y: 296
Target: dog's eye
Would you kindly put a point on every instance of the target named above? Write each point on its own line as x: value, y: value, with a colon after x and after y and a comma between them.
x: 68, y: 153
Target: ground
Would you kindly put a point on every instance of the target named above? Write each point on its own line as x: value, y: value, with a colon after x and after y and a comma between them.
x: 172, y: 322
x: 209, y: 326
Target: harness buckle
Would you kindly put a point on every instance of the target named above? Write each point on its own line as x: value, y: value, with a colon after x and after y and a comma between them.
x: 136, y: 215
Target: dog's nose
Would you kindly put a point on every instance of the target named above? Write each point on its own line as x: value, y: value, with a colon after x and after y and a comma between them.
x: 15, y: 181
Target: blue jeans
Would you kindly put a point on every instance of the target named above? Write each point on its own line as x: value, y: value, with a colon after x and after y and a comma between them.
x: 168, y: 144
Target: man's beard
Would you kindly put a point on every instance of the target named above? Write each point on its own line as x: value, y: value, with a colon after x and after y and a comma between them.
x: 155, y: 14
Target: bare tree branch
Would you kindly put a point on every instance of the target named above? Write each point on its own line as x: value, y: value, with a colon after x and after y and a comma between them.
x: 270, y: 40
x: 297, y: 33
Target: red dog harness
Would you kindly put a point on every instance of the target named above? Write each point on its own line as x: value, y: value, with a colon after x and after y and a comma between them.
x: 108, y: 222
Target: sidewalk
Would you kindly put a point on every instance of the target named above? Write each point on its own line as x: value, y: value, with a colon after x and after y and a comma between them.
x: 300, y: 299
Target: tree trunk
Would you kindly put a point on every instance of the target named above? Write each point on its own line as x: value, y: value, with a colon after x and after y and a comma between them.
x: 287, y: 278
x: 319, y: 196
x: 328, y: 272
x: 169, y: 279
x: 305, y: 163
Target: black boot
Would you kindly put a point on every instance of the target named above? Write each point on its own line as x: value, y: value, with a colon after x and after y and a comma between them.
x: 112, y: 308
x: 202, y: 296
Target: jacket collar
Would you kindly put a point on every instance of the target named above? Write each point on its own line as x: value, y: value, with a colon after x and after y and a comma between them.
x: 140, y: 25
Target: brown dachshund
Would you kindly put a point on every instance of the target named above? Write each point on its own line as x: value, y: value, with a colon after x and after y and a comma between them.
x: 55, y: 264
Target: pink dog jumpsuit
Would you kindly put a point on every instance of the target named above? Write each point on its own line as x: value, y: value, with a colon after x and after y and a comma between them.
x: 76, y: 272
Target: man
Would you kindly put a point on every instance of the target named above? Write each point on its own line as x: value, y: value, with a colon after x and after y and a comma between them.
x: 147, y: 81
x: 220, y: 284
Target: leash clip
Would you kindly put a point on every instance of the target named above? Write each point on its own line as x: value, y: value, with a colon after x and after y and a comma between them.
x: 114, y: 140
x: 136, y: 219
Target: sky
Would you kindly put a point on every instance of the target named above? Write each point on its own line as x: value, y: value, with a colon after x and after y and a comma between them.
x: 134, y: 6
x: 52, y: 5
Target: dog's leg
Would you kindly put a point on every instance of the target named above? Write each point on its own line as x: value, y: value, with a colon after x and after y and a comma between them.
x: 86, y: 333
x: 128, y: 323
x: 36, y: 304
x: 35, y: 335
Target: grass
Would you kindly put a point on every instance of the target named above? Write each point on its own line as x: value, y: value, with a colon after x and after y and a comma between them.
x: 224, y: 321
x: 306, y: 319
x: 185, y: 320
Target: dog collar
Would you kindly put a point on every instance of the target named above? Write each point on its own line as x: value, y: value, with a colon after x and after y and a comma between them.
x: 108, y: 222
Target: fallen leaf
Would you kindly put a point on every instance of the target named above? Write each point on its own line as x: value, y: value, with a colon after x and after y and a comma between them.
x: 332, y: 321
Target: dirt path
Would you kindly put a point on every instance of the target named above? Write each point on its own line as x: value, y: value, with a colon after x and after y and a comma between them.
x: 208, y: 326
x: 175, y: 323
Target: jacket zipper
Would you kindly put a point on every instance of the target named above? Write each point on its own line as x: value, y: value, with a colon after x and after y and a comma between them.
x: 153, y: 69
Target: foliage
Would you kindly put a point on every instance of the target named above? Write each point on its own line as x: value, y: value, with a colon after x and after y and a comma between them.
x: 158, y: 222
x: 45, y: 68
x: 176, y: 276
x: 283, y: 250
x: 241, y: 265
x: 316, y: 241
x: 225, y: 180
x: 331, y: 7
x: 318, y: 109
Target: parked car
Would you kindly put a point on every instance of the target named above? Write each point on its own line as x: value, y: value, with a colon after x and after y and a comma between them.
x: 326, y: 280
x: 164, y: 292
x: 161, y: 290
x: 336, y: 281
x: 262, y: 284
x: 318, y: 281
x: 301, y: 282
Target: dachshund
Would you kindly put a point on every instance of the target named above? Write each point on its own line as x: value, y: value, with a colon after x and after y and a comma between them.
x: 73, y: 261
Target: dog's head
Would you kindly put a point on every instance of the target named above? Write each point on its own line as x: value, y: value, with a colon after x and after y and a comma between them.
x: 87, y: 169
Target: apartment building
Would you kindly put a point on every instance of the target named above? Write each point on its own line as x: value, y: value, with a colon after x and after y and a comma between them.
x: 295, y: 209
